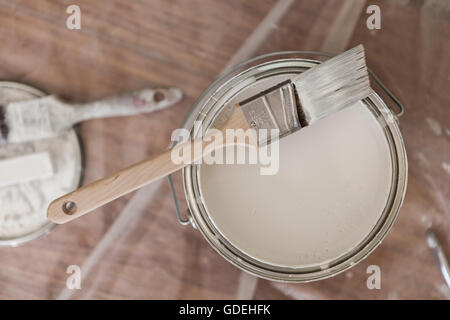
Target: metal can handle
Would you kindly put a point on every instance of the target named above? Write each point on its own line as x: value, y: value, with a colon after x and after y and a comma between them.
x: 401, y: 108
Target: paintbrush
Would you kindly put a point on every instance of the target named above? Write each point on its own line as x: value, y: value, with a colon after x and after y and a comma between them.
x: 288, y: 106
x: 49, y: 116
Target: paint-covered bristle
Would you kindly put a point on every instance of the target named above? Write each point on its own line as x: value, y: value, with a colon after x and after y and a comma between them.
x: 431, y: 239
x: 334, y: 84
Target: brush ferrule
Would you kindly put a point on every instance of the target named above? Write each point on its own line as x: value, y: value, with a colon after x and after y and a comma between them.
x: 275, y: 108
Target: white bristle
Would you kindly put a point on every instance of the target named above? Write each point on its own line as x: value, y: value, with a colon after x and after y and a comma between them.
x: 334, y: 84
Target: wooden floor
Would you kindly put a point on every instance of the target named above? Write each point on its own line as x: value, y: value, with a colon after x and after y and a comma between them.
x: 134, y: 247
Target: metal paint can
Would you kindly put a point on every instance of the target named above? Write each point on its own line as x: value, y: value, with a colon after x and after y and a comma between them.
x: 14, y: 92
x: 209, y: 109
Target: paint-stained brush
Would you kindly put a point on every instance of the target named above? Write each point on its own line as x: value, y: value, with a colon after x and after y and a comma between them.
x: 48, y: 116
x: 322, y: 90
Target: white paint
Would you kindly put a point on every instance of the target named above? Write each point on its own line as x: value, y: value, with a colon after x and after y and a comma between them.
x: 434, y: 126
x: 330, y: 191
x: 422, y: 159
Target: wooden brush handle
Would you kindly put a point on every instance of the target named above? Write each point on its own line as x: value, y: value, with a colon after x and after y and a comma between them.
x: 100, y: 192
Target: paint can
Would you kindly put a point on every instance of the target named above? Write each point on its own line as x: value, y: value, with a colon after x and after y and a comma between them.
x: 212, y: 108
x: 23, y: 211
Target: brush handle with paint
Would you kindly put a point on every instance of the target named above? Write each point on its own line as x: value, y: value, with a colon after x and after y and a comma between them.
x: 48, y: 116
x: 322, y: 90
